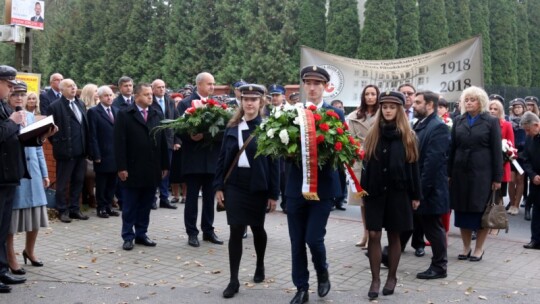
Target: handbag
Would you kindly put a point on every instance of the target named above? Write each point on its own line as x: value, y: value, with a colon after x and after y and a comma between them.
x: 494, y: 216
x: 50, y: 194
x: 220, y: 208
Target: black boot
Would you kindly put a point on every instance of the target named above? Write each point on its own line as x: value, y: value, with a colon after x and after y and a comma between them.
x: 231, y: 289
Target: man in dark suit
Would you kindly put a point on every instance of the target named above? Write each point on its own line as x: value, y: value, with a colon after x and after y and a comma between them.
x: 199, y: 160
x: 142, y: 161
x: 13, y: 166
x: 307, y: 218
x: 37, y: 10
x: 433, y: 144
x: 162, y: 103
x: 101, y: 126
x: 125, y: 98
x: 47, y: 97
x: 69, y: 150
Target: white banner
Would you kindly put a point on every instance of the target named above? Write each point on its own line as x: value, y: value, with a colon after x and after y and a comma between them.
x: 446, y: 71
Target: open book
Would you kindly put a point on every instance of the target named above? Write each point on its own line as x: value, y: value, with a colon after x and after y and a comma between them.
x: 36, y: 129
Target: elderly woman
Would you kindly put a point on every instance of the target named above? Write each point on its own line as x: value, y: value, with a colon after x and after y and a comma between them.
x: 29, y: 203
x: 360, y: 122
x: 475, y: 168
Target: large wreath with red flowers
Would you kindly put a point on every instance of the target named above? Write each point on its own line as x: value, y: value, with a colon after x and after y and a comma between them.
x: 204, y: 116
x: 279, y: 136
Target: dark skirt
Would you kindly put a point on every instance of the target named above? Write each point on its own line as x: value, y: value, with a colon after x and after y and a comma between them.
x: 242, y: 206
x: 175, y: 176
x: 468, y: 220
x: 392, y: 211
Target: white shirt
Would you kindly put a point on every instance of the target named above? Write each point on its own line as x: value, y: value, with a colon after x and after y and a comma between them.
x: 243, y: 161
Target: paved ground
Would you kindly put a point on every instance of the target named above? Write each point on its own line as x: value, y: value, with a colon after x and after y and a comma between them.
x: 84, y: 263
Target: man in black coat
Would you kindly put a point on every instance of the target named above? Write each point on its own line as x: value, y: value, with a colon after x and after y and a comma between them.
x: 125, y: 98
x: 70, y: 146
x: 142, y: 161
x: 13, y: 167
x: 161, y: 102
x: 199, y: 160
x: 433, y: 143
x: 101, y: 126
x: 47, y: 97
x: 531, y: 164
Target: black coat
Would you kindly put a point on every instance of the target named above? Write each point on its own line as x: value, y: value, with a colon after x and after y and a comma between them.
x: 475, y: 162
x: 138, y: 150
x: 531, y: 164
x: 101, y: 134
x: 63, y: 145
x: 120, y: 103
x: 264, y: 170
x: 198, y: 157
x: 12, y: 157
x: 170, y: 113
x: 45, y: 100
x: 433, y: 143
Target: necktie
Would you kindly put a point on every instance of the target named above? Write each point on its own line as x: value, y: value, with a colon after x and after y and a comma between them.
x: 145, y: 114
x: 110, y: 114
x: 128, y: 101
x: 75, y: 110
x: 162, y: 105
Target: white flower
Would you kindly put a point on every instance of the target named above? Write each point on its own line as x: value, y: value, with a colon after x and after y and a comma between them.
x: 263, y: 124
x: 270, y: 133
x: 288, y: 107
x: 284, y: 136
x: 299, y: 105
x: 277, y: 113
x: 296, y: 120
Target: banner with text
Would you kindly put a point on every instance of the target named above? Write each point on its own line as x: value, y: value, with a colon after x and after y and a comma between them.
x: 447, y: 71
x: 28, y: 13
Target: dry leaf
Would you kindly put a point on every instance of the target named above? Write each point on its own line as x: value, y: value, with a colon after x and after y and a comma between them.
x: 216, y: 271
x: 124, y: 284
x: 482, y: 297
x: 83, y: 267
x: 94, y: 259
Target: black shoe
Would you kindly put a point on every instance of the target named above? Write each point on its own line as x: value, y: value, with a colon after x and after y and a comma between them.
x: 475, y: 258
x: 212, y: 238
x: 154, y: 205
x: 19, y: 271
x: 463, y: 257
x: 27, y: 257
x: 64, y: 217
x: 78, y: 215
x: 163, y: 203
x: 373, y: 293
x: 323, y: 284
x: 111, y: 212
x: 4, y: 288
x: 10, y: 280
x: 146, y: 241
x: 532, y: 245
x: 258, y: 277
x: 527, y: 213
x: 193, y: 241
x: 430, y: 274
x: 386, y: 291
x: 301, y: 296
x: 340, y: 206
x: 102, y: 214
x: 231, y: 290
x: 128, y: 245
x: 420, y: 252
x: 175, y: 200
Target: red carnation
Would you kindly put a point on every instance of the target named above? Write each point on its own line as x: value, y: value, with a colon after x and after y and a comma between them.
x: 332, y: 113
x: 324, y: 127
x: 338, y: 146
x: 351, y: 140
x: 317, y: 117
x: 339, y: 131
x: 190, y: 110
x: 346, y: 126
x: 224, y: 106
x: 320, y: 139
x: 312, y: 108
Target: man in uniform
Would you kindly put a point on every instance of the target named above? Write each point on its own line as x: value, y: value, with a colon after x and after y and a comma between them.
x: 306, y: 218
x: 236, y: 101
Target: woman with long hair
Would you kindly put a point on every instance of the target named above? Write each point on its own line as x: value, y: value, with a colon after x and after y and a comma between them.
x: 496, y: 109
x: 252, y: 186
x: 360, y: 122
x: 89, y: 95
x: 391, y: 177
x: 32, y: 103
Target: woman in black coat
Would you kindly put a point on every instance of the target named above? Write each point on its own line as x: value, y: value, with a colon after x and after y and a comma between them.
x: 392, y: 180
x: 252, y: 187
x: 475, y: 168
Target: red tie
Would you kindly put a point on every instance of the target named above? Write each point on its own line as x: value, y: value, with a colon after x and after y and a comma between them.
x: 145, y: 114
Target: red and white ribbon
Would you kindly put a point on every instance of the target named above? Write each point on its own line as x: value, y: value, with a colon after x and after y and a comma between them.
x: 356, y: 188
x: 308, y: 143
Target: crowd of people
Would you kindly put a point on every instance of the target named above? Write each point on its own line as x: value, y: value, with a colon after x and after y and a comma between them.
x: 421, y: 161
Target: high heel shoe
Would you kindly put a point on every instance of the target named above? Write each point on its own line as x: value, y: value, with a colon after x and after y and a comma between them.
x: 475, y: 258
x: 464, y: 257
x: 34, y: 263
x: 372, y: 295
x: 387, y: 291
x: 19, y: 271
x: 231, y: 289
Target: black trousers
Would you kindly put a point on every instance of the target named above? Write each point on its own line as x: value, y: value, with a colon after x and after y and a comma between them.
x: 105, y: 188
x: 417, y: 235
x: 69, y: 174
x: 434, y: 231
x: 6, y: 208
x: 194, y: 183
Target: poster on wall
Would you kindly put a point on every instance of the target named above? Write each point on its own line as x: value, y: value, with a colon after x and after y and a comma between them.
x: 28, y: 13
x: 446, y: 71
x: 32, y: 81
